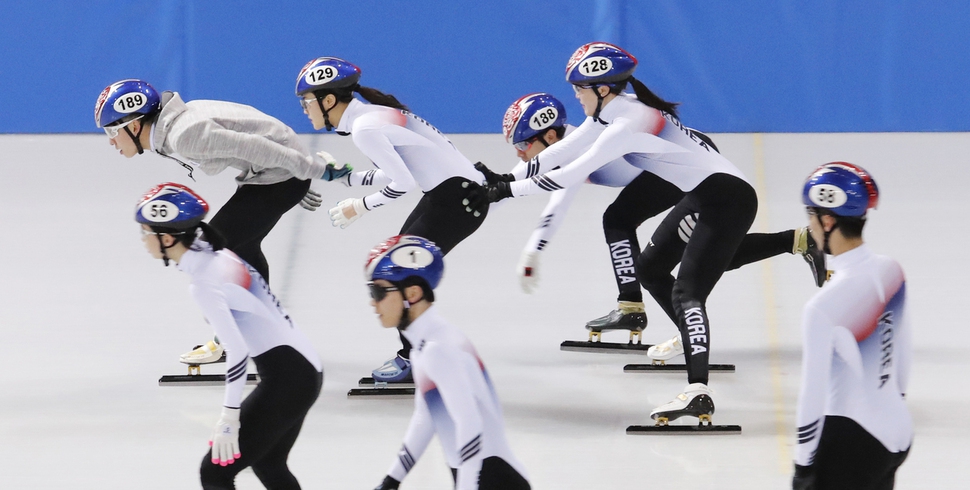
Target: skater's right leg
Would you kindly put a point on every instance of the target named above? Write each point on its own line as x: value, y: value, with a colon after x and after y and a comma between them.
x: 497, y: 474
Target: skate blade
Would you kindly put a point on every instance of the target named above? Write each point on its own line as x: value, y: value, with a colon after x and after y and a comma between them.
x: 705, y: 426
x: 369, y: 382
x: 604, y: 347
x: 381, y: 393
x: 201, y: 380
x: 660, y: 367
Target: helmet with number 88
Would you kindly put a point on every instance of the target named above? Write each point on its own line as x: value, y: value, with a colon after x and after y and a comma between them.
x: 405, y: 256
x: 531, y: 115
x: 600, y: 63
x: 326, y: 73
x: 125, y: 98
x: 172, y: 206
x: 842, y: 189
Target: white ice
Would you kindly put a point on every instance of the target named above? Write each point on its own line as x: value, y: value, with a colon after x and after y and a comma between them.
x: 88, y: 323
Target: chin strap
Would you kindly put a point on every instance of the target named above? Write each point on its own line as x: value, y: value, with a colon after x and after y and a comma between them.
x: 326, y: 114
x: 825, y: 242
x: 136, y: 137
x: 599, y: 104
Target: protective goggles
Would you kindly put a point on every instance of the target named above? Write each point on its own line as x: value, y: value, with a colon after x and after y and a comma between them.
x: 305, y: 103
x: 525, y: 145
x: 112, y: 131
x: 378, y: 293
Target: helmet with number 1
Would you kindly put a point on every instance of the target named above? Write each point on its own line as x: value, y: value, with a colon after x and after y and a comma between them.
x: 405, y: 256
x: 326, y: 73
x: 125, y: 98
x: 531, y: 115
x: 841, y: 188
x: 171, y: 205
x: 600, y: 63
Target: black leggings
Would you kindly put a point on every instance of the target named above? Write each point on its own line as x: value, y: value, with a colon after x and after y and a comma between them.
x: 269, y: 421
x: 496, y: 474
x: 721, y: 209
x: 440, y: 217
x: 251, y: 213
x: 648, y: 196
x: 850, y: 458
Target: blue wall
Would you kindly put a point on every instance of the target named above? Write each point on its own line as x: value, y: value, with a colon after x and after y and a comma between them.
x: 736, y: 66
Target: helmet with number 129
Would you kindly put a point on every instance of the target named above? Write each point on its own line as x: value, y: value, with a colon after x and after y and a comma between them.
x: 326, y: 73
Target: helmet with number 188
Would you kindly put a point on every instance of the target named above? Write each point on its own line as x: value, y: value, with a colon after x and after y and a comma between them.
x: 170, y: 205
x: 123, y: 99
x: 532, y: 115
x: 326, y: 73
x: 842, y: 189
x: 600, y: 63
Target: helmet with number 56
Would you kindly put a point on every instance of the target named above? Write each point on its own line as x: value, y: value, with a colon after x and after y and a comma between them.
x: 842, y: 189
x: 171, y: 206
x: 125, y: 98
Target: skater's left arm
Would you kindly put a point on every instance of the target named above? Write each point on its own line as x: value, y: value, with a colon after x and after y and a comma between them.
x: 416, y: 440
x: 552, y: 216
x: 444, y: 368
x: 818, y: 330
x: 212, y: 300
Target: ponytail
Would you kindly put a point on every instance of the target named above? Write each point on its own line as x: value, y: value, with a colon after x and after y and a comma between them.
x: 375, y: 96
x: 651, y: 99
x: 212, y: 236
x: 372, y: 95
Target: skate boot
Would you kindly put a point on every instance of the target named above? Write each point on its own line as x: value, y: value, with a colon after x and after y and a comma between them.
x: 695, y: 401
x: 395, y: 370
x: 661, y: 353
x: 628, y: 315
x: 207, y: 353
x: 806, y: 247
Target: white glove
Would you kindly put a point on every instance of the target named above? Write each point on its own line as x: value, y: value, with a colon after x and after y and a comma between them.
x: 347, y: 211
x: 225, y: 439
x: 528, y: 271
x: 312, y: 200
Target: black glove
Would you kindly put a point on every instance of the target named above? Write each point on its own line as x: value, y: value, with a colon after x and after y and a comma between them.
x: 478, y: 197
x: 388, y: 484
x: 492, y: 177
x: 804, y: 478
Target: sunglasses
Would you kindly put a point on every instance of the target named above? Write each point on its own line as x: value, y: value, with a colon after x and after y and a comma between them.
x: 378, y: 293
x: 112, y: 131
x: 525, y: 145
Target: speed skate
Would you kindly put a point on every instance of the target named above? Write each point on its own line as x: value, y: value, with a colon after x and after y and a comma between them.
x: 195, y: 376
x: 695, y: 402
x: 665, y: 351
x: 627, y: 316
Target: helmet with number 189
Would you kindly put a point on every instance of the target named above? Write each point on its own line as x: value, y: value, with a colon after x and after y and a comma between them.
x: 405, y: 256
x: 531, y: 115
x: 125, y: 98
x: 171, y: 205
x: 842, y: 189
x: 326, y: 73
x: 600, y: 63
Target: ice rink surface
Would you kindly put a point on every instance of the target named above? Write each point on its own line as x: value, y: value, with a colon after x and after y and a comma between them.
x: 88, y: 323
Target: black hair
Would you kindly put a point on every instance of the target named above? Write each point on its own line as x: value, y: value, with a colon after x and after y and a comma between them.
x: 187, y: 236
x: 417, y: 281
x: 849, y: 226
x: 646, y: 96
x: 372, y: 95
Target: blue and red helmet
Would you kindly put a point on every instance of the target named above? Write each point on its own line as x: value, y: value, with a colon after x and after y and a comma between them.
x: 841, y: 188
x: 600, y: 63
x: 404, y: 256
x: 326, y: 73
x: 531, y: 115
x: 171, y: 205
x: 124, y: 98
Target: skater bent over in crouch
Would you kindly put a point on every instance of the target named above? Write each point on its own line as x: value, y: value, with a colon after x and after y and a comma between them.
x: 455, y: 398
x: 854, y: 429
x: 536, y: 122
x: 407, y: 151
x: 214, y: 135
x: 260, y: 431
x: 718, y: 203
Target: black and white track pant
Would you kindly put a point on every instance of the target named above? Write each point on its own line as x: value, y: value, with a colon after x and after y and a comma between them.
x: 251, y: 213
x: 496, y: 474
x: 850, y: 458
x: 269, y: 421
x: 724, y: 207
x: 648, y: 196
x: 440, y: 217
